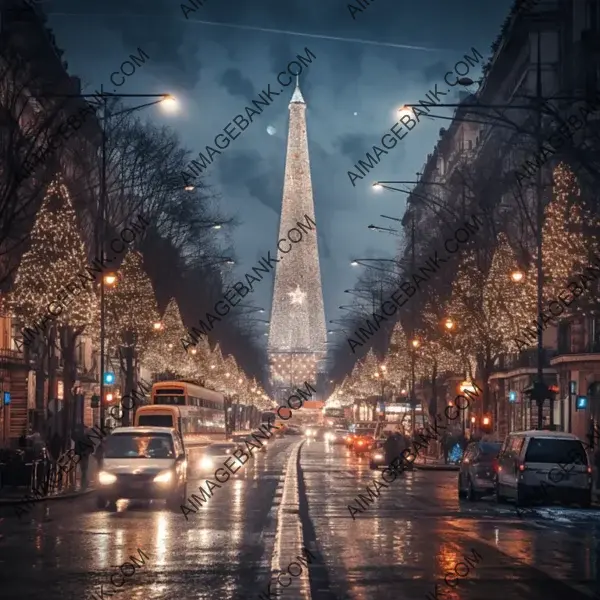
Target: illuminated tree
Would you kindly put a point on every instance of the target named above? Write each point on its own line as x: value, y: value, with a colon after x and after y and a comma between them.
x: 398, y: 359
x: 131, y: 315
x: 56, y: 258
x: 165, y: 355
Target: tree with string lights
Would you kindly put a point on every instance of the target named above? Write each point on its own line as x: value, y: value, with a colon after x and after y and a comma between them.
x: 53, y: 291
x: 165, y: 356
x: 131, y: 315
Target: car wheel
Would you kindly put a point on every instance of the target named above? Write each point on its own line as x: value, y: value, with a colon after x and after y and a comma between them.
x: 100, y: 502
x: 586, y: 501
x: 472, y: 495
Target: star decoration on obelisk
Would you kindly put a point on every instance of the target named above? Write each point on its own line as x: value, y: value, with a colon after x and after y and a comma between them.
x: 297, y: 296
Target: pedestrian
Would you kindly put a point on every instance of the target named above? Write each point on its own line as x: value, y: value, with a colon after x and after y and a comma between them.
x: 393, y: 447
x: 55, y: 447
x: 83, y: 448
x: 23, y: 440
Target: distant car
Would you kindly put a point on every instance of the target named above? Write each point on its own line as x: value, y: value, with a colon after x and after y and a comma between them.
x: 377, y: 456
x: 363, y: 441
x: 142, y: 463
x: 336, y: 436
x: 544, y: 465
x: 240, y: 439
x: 291, y: 430
x: 317, y: 433
x: 477, y: 474
x: 212, y: 457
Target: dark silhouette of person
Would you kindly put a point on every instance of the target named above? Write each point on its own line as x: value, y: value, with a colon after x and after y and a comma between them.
x: 393, y: 447
x: 23, y: 440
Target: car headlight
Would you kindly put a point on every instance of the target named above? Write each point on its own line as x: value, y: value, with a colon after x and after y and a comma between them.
x: 410, y: 457
x: 378, y: 456
x: 206, y: 463
x: 105, y: 478
x: 164, y: 477
x: 308, y: 432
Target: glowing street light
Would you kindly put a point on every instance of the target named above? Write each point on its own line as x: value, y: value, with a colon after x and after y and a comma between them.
x: 377, y: 186
x: 415, y: 343
x: 449, y: 324
x: 169, y: 103
x: 110, y: 279
x: 157, y: 326
x: 517, y: 276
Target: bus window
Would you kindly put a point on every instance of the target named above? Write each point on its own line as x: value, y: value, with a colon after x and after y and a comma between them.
x: 155, y: 421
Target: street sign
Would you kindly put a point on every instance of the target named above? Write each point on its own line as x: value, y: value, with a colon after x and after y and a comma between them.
x: 581, y: 403
x: 572, y: 387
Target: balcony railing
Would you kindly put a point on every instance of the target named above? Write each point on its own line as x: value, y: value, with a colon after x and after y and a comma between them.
x: 525, y: 360
x: 565, y: 347
x: 11, y: 357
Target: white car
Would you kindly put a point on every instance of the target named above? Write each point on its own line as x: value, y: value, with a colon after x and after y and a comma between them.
x: 543, y: 465
x: 213, y: 456
x: 142, y: 463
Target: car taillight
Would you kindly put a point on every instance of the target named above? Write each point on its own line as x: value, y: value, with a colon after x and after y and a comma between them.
x: 589, y: 470
x: 495, y: 465
x: 522, y: 467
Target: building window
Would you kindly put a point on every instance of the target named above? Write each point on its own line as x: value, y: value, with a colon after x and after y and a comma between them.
x: 564, y: 338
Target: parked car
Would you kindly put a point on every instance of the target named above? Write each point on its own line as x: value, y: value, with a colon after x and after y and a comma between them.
x: 145, y: 463
x: 544, y: 465
x: 477, y: 474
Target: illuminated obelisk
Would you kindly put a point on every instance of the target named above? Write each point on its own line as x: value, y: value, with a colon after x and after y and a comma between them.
x: 297, y: 331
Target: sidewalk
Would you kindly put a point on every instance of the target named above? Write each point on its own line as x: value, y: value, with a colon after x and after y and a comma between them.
x: 427, y: 463
x: 10, y: 496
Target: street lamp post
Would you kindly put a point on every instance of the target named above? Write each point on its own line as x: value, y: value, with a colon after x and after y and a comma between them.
x: 102, y: 210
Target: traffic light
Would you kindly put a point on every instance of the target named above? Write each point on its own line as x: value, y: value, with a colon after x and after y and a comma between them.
x: 486, y: 423
x: 109, y: 397
x: 109, y: 378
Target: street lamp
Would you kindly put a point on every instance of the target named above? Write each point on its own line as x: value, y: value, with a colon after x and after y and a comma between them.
x: 110, y: 279
x: 449, y: 324
x: 517, y: 276
x: 157, y: 326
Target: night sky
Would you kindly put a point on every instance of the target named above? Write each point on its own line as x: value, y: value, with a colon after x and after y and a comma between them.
x: 215, y: 71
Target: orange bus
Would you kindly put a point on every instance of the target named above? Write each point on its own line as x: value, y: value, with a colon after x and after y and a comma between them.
x: 198, y: 413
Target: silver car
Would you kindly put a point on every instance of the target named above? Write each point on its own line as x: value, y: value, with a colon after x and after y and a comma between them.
x: 546, y: 466
x: 477, y: 474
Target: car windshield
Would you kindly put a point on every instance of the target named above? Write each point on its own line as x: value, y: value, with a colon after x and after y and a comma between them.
x: 557, y: 451
x: 155, y: 421
x: 219, y: 449
x: 489, y: 450
x: 365, y: 432
x: 139, y: 445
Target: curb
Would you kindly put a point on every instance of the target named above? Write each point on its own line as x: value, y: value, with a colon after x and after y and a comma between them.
x: 17, y: 501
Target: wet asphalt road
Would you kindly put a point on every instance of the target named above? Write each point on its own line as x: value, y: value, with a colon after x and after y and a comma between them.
x: 414, y: 533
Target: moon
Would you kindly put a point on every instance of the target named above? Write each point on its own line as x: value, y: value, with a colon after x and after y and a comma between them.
x: 271, y: 130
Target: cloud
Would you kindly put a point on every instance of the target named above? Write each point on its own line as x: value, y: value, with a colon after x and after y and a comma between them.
x: 237, y: 85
